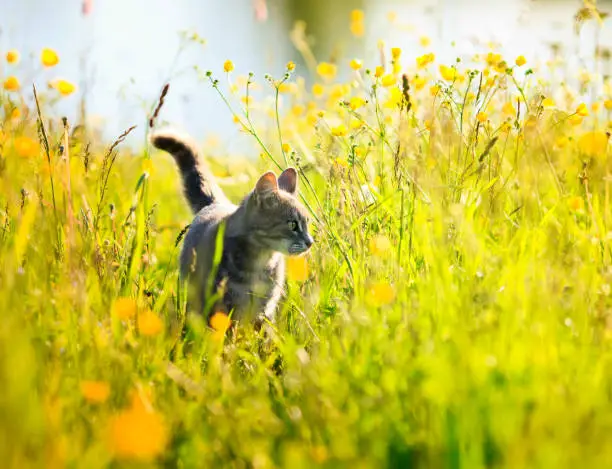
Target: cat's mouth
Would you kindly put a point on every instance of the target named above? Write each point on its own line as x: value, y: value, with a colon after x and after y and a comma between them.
x: 298, y: 248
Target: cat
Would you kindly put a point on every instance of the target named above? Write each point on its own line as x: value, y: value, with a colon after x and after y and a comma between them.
x: 248, y: 240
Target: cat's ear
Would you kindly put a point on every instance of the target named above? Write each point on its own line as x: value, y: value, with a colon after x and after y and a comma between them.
x: 267, y: 183
x: 288, y: 180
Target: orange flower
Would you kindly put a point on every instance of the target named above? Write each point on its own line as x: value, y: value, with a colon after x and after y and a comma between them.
x: 26, y: 147
x: 297, y: 269
x: 12, y: 84
x: 12, y: 56
x: 220, y: 323
x: 49, y: 57
x: 138, y: 433
x: 576, y: 204
x: 125, y: 308
x: 149, y: 323
x: 96, y: 392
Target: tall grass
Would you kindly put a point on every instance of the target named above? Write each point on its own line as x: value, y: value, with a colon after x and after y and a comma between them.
x: 454, y: 312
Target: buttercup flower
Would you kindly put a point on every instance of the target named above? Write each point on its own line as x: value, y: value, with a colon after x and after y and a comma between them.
x: 49, y: 57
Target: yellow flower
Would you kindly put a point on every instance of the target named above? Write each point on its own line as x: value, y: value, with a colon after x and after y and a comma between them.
x: 12, y: 56
x: 508, y: 109
x: 49, y: 57
x: 326, y: 70
x: 576, y: 204
x: 379, y: 245
x: 16, y: 113
x: 125, y: 308
x: 424, y: 41
x: 505, y: 127
x: 357, y: 15
x: 482, y: 117
x: 582, y: 110
x: 26, y: 147
x: 297, y: 269
x: 419, y: 82
x: 425, y: 60
x: 575, y: 119
x: 608, y: 104
x: 434, y: 90
x: 395, y: 98
x: 520, y: 60
x: 595, y: 106
x: 396, y: 52
x: 448, y: 73
x: 291, y: 66
x: 356, y: 64
x: 548, y: 102
x: 149, y: 323
x: 318, y: 89
x: 357, y: 28
x: 356, y: 102
x: 220, y: 323
x: 339, y: 131
x: 379, y: 71
x: 228, y: 66
x: 493, y: 59
x: 96, y: 392
x: 138, y: 433
x: 561, y: 142
x: 388, y: 80
x: 297, y: 110
x: 380, y: 294
x: 342, y: 162
x: 593, y: 143
x: 64, y: 87
x: 12, y: 84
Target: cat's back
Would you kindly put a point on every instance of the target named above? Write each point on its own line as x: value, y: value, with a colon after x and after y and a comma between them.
x: 201, y: 235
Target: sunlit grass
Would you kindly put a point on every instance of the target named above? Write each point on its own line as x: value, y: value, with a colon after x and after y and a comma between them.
x: 455, y: 310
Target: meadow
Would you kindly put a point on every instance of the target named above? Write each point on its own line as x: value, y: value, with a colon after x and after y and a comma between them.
x: 455, y: 310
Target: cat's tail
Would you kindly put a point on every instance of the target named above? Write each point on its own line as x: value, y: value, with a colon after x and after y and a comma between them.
x: 199, y: 185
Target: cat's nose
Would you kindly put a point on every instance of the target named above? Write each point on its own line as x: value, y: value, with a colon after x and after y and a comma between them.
x: 308, y: 241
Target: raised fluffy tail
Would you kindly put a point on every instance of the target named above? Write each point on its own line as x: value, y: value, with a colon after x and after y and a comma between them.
x: 199, y: 185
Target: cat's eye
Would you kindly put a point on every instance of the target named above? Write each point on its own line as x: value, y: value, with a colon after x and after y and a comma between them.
x: 293, y: 225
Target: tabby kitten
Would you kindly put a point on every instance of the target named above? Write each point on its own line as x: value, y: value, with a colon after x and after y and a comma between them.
x: 249, y: 240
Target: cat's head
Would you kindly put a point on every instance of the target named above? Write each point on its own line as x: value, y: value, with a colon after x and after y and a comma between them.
x: 276, y: 219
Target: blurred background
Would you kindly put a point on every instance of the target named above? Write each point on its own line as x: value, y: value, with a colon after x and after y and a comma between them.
x: 121, y: 52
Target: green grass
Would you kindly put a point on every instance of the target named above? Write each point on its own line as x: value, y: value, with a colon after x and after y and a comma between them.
x: 492, y: 349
